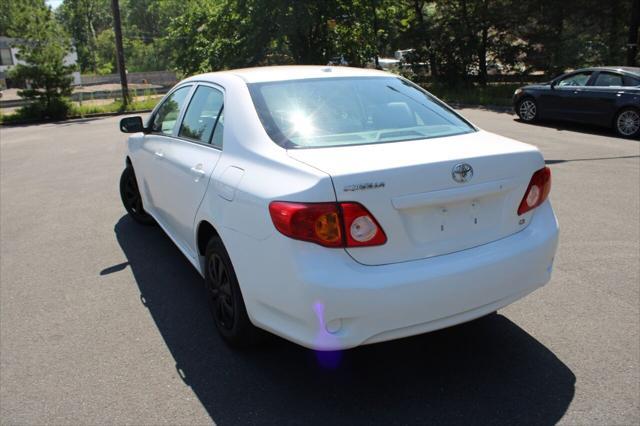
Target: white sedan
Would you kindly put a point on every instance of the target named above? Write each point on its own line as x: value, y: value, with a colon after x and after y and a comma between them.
x: 337, y: 207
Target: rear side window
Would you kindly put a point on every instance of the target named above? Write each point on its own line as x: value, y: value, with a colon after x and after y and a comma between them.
x: 219, y: 131
x: 631, y: 81
x: 202, y: 114
x: 167, y: 114
x: 608, y: 79
x: 339, y: 111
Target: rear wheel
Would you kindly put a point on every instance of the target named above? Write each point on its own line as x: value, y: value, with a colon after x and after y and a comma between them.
x: 131, y: 198
x: 225, y: 299
x: 627, y: 123
x: 527, y: 110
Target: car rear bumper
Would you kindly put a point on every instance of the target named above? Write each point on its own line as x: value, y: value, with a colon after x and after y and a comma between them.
x: 328, y: 301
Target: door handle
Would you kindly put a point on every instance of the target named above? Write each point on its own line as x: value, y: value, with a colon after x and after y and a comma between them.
x: 198, y: 171
x: 159, y: 154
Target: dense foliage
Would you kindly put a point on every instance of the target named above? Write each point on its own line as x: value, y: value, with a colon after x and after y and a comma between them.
x: 455, y: 40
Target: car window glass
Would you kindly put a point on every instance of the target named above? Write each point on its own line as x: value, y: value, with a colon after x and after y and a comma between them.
x: 168, y: 113
x: 218, y: 132
x: 608, y: 79
x: 350, y: 111
x: 631, y: 81
x: 579, y: 79
x: 201, y: 115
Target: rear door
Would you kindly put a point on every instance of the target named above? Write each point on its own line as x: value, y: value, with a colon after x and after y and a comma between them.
x: 599, y: 98
x: 189, y: 160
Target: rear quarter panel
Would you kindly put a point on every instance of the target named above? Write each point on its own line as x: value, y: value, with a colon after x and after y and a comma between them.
x: 252, y: 172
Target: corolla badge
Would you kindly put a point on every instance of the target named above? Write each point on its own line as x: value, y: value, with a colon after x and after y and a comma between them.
x: 363, y: 186
x: 462, y: 172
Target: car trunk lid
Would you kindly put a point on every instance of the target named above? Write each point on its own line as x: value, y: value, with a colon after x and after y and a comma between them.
x: 409, y: 188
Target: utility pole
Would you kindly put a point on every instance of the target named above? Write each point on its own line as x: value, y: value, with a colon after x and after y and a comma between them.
x: 117, y: 28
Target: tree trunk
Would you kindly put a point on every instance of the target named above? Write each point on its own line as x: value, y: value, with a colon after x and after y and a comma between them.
x: 632, y: 43
x: 482, y: 48
x: 117, y: 27
x: 557, y: 63
x: 613, y: 33
x: 374, y: 17
x: 94, y: 43
x: 482, y: 58
x: 424, y: 34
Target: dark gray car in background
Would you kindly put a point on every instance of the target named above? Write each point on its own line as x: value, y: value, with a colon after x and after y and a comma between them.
x: 604, y: 96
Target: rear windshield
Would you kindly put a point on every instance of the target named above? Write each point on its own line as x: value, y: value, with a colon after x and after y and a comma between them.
x: 351, y: 111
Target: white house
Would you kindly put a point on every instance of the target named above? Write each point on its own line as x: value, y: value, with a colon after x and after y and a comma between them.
x: 8, y: 59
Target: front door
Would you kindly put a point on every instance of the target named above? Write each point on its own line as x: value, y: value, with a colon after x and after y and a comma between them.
x: 189, y: 160
x: 149, y: 158
x: 562, y: 101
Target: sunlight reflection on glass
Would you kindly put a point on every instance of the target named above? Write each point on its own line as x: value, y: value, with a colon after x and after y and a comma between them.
x: 301, y: 124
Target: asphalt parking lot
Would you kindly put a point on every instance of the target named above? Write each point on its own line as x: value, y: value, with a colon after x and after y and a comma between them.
x: 104, y: 322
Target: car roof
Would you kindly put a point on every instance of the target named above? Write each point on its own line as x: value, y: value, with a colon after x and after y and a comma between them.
x: 629, y: 70
x: 292, y: 72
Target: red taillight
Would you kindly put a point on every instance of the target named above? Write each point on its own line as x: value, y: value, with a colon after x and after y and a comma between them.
x: 361, y: 228
x: 537, y: 192
x: 327, y: 224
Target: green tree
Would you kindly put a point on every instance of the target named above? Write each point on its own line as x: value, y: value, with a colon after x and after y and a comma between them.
x: 84, y: 20
x: 14, y: 13
x: 44, y: 72
x: 214, y: 35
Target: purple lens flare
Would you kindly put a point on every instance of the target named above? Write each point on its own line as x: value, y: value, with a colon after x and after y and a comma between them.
x: 326, y: 359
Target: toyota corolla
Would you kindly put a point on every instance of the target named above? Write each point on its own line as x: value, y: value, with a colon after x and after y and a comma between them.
x: 337, y: 207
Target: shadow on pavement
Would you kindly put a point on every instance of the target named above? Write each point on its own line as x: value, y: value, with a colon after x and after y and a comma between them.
x: 57, y: 123
x: 622, y: 157
x: 487, y: 371
x: 574, y: 127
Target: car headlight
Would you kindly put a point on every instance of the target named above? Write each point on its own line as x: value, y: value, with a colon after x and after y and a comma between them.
x: 517, y: 92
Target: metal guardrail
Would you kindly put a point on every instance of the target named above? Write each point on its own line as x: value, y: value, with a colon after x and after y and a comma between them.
x: 162, y: 78
x: 89, y: 96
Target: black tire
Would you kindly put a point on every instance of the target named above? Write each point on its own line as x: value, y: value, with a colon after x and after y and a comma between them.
x: 225, y: 298
x: 131, y: 198
x: 527, y: 110
x: 627, y: 123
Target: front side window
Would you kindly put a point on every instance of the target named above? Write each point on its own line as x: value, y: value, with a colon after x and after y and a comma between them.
x: 608, y: 79
x: 167, y: 114
x: 339, y: 111
x: 579, y: 79
x: 202, y: 114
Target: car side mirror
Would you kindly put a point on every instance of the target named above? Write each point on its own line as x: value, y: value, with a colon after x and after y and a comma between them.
x: 554, y: 84
x: 132, y: 125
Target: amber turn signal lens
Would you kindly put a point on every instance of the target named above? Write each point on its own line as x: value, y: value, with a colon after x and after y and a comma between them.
x: 328, y: 228
x: 345, y: 224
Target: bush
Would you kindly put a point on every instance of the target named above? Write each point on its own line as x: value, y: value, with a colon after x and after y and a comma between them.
x: 56, y: 109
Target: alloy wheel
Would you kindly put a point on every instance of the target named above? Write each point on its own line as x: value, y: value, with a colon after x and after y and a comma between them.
x: 219, y: 287
x: 527, y: 110
x: 628, y: 123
